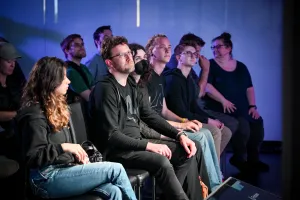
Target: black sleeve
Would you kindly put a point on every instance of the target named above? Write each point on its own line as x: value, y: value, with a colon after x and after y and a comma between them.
x: 148, y: 132
x: 175, y: 102
x: 38, y: 151
x: 152, y: 118
x: 107, y: 110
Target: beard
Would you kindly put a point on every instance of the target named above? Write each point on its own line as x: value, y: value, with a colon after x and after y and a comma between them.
x: 80, y: 55
x: 125, y: 69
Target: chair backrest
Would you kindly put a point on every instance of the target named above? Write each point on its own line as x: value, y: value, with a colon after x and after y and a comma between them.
x: 77, y: 123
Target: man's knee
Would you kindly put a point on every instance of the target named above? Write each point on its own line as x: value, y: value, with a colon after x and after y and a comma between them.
x: 163, y: 162
x: 215, y: 131
x: 226, y: 133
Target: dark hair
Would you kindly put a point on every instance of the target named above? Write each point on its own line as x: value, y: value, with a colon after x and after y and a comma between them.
x: 192, y: 37
x: 109, y: 43
x: 226, y: 38
x: 99, y: 30
x: 134, y: 47
x: 47, y: 74
x: 180, y: 47
x: 65, y: 44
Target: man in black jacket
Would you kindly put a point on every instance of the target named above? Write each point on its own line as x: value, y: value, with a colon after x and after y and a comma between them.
x: 116, y: 107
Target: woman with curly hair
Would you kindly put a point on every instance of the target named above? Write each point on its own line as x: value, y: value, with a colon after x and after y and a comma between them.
x: 57, y: 167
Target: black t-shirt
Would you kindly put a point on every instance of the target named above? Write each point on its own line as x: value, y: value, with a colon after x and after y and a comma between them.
x: 156, y: 87
x: 232, y: 85
x: 132, y: 128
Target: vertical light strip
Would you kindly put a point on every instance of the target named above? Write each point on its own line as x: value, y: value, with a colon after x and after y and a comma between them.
x: 138, y: 13
x: 55, y: 11
x: 226, y: 15
x: 44, y: 11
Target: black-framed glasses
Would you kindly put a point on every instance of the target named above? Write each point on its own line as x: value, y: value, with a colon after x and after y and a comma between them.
x: 120, y: 55
x: 191, y: 54
x: 217, y: 46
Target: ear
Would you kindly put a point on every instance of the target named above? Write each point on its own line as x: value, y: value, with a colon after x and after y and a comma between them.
x: 97, y: 42
x: 108, y: 62
x: 66, y: 51
x: 177, y: 57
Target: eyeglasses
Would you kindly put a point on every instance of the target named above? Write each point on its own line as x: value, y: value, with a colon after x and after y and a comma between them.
x: 191, y: 54
x: 128, y: 54
x: 217, y: 46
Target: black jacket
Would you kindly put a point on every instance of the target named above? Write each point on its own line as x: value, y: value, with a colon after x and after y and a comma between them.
x: 108, y: 112
x: 40, y: 146
x: 182, y: 94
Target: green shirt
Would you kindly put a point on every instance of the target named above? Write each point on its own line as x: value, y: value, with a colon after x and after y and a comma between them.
x: 78, y: 84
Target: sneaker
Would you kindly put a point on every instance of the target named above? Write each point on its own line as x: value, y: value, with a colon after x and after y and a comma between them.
x: 259, y: 166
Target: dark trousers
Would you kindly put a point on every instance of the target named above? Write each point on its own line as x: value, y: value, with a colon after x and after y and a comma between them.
x: 170, y: 174
x: 248, y: 138
x: 247, y: 135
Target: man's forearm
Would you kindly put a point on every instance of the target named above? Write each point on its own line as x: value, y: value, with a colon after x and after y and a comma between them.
x: 203, y: 80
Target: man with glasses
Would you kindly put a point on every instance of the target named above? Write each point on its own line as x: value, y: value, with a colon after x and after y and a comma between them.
x: 182, y: 95
x: 116, y: 107
x: 96, y: 64
x: 202, y: 61
x: 80, y: 77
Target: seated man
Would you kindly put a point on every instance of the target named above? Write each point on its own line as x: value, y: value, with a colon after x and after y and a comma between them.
x: 182, y: 94
x: 116, y: 107
x: 202, y: 136
x: 96, y: 64
x: 80, y: 77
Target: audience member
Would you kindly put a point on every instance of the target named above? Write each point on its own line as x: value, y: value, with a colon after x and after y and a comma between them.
x: 51, y: 158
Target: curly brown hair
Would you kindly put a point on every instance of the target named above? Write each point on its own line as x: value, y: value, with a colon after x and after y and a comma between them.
x: 47, y: 74
x: 109, y: 43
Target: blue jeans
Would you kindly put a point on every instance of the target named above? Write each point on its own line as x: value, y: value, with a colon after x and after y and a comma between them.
x: 106, y: 179
x: 206, y: 141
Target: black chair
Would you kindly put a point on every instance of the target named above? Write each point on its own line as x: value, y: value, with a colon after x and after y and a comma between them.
x: 79, y: 134
x: 26, y: 190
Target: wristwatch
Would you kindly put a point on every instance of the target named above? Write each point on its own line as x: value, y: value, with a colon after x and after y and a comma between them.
x: 180, y: 134
x: 252, y: 106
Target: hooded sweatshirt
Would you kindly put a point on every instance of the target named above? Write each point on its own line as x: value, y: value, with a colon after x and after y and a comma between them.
x: 40, y: 145
x: 109, y: 113
x: 182, y: 94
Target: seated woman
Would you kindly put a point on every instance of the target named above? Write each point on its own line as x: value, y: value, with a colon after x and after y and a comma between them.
x: 230, y: 91
x: 57, y: 167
